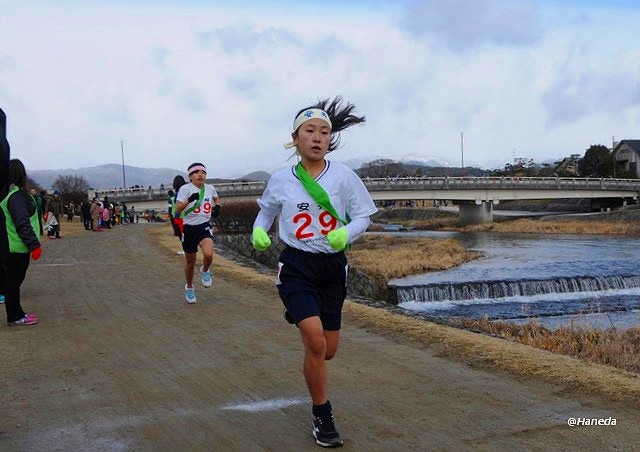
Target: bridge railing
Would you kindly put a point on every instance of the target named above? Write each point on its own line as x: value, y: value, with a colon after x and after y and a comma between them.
x: 411, y: 183
x: 560, y: 183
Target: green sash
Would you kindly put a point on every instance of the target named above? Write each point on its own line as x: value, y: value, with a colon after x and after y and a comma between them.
x: 317, y: 192
x: 196, y: 205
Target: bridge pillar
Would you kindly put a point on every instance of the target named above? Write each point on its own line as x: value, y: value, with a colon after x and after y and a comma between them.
x: 471, y: 212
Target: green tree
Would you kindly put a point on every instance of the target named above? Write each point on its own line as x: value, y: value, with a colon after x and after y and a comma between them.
x: 597, y: 162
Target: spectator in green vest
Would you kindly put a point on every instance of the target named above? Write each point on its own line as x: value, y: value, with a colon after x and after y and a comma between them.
x: 21, y: 224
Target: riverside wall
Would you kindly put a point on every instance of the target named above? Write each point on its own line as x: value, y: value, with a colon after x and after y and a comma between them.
x: 359, y: 284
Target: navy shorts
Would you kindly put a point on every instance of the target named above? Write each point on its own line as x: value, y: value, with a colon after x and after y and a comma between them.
x: 313, y: 284
x: 194, y: 234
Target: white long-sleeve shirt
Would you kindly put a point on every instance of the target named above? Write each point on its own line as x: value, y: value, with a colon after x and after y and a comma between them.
x: 303, y: 224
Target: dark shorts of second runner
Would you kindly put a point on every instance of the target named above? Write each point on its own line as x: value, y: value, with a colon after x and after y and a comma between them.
x: 313, y: 284
x: 194, y: 234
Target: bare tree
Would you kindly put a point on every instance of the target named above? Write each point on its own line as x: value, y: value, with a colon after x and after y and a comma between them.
x: 74, y: 188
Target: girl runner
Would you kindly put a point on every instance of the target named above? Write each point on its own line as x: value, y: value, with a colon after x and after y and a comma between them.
x: 196, y: 202
x: 313, y: 268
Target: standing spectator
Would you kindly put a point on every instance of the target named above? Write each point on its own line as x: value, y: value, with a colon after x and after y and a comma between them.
x: 39, y: 205
x: 124, y: 215
x: 106, y: 216
x: 85, y: 213
x: 117, y: 212
x: 312, y: 200
x: 95, y: 215
x: 71, y: 211
x: 21, y: 225
x: 133, y: 217
x: 55, y: 207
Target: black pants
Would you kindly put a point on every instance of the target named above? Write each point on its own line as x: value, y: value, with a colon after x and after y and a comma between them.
x: 15, y: 271
x: 55, y: 231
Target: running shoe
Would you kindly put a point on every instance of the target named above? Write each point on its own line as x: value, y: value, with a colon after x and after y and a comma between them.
x: 28, y: 319
x: 207, y: 278
x: 325, y: 433
x: 190, y: 294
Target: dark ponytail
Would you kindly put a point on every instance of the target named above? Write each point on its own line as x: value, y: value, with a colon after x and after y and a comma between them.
x: 340, y: 113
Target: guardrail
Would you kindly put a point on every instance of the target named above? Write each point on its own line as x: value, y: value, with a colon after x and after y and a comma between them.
x: 411, y: 183
x: 506, y: 183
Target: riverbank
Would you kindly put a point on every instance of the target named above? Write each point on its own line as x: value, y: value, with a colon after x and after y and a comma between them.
x: 603, y: 345
x: 624, y: 221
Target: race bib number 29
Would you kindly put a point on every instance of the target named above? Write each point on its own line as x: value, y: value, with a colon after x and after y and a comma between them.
x: 304, y: 220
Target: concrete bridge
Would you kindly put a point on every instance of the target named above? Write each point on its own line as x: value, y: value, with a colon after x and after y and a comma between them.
x: 475, y: 195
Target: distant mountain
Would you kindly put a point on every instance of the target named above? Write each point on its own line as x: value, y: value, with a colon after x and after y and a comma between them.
x: 108, y: 176
x: 103, y: 177
x: 356, y: 163
x: 414, y: 158
x: 256, y: 176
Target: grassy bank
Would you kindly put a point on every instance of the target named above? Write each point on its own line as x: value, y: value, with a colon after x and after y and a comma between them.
x: 617, y: 348
x: 619, y: 222
x: 395, y: 257
x: 526, y: 225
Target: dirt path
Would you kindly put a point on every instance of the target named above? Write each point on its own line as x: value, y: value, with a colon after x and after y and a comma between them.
x: 120, y: 362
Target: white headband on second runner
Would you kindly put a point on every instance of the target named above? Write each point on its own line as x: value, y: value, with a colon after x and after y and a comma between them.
x: 195, y: 168
x: 311, y: 113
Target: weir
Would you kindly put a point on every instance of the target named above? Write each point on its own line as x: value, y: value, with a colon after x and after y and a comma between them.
x: 509, y: 288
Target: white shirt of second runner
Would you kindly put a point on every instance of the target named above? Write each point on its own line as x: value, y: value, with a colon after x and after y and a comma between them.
x: 203, y: 213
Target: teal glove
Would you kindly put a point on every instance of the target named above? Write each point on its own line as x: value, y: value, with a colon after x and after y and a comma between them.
x: 338, y: 238
x: 259, y: 239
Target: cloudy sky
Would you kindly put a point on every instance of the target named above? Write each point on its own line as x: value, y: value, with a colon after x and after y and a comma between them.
x: 220, y: 81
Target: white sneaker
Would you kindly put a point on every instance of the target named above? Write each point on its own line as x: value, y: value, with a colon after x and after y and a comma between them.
x: 207, y: 278
x: 190, y: 294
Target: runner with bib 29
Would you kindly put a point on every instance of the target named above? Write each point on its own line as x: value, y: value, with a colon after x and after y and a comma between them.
x: 323, y: 207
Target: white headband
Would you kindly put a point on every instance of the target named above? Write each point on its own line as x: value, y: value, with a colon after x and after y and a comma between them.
x: 306, y: 115
x: 195, y: 168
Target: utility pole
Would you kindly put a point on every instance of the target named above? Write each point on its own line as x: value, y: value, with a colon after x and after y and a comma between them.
x: 462, y: 147
x: 124, y: 181
x: 613, y: 152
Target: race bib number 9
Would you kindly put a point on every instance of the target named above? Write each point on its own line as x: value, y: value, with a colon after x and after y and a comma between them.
x: 304, y: 222
x: 206, y: 208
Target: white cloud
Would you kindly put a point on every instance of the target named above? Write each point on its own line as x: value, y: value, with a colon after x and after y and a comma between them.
x: 221, y: 84
x: 466, y: 24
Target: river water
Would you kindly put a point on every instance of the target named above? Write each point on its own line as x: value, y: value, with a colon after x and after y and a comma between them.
x: 556, y: 279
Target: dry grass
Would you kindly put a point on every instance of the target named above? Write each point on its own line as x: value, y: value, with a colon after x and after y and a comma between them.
x: 69, y: 229
x: 620, y: 349
x: 526, y: 225
x: 395, y: 257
